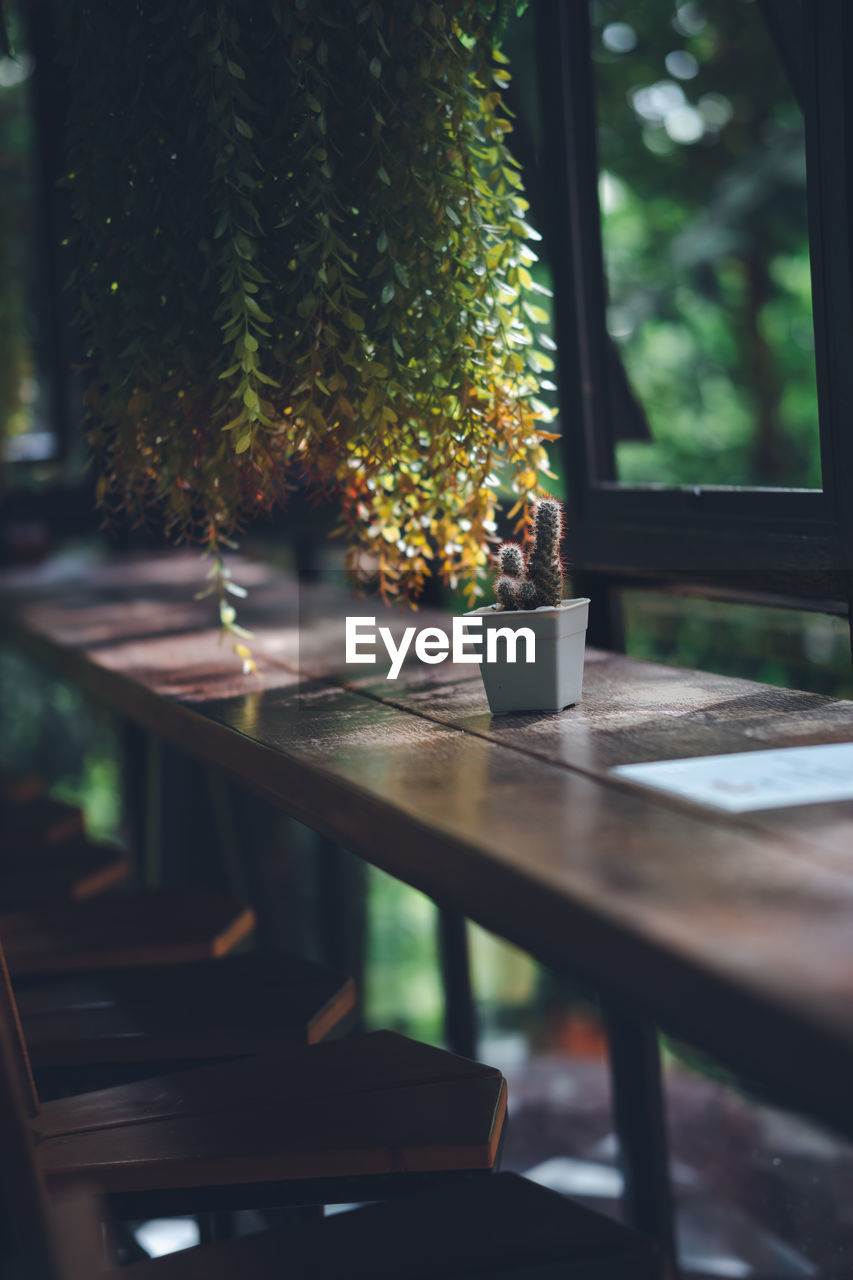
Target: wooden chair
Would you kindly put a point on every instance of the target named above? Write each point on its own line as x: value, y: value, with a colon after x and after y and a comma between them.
x: 72, y: 871
x: 179, y: 1014
x: 123, y: 929
x: 35, y: 821
x: 51, y: 920
x: 44, y: 853
x: 80, y: 1026
x: 502, y: 1227
x: 346, y: 1119
x: 21, y: 788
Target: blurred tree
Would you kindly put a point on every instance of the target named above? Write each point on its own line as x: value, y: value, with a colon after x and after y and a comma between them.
x: 702, y: 189
x: 16, y: 147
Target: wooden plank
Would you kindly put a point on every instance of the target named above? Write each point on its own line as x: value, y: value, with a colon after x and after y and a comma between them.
x: 634, y: 711
x: 451, y: 1126
x: 348, y: 1067
x: 736, y: 934
x: 366, y: 1105
x: 503, y: 1226
x: 16, y: 1075
x: 241, y: 1004
x: 23, y: 1201
x: 21, y: 788
x: 74, y: 870
x: 143, y: 927
x: 41, y: 823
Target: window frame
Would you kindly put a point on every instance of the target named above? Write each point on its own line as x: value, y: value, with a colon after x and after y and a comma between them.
x: 795, y: 545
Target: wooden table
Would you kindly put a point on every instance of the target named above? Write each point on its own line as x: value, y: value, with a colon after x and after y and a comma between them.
x: 732, y: 932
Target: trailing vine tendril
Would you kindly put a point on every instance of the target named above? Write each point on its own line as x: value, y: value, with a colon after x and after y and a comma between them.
x: 301, y: 249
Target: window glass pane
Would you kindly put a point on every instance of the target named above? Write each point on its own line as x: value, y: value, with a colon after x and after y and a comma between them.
x: 759, y: 1192
x: 704, y: 225
x: 402, y: 980
x: 546, y: 1036
x: 785, y: 647
x: 24, y: 429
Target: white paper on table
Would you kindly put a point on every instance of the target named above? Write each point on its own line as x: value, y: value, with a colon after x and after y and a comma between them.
x: 753, y: 779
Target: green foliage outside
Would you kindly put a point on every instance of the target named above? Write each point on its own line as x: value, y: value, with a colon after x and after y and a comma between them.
x: 403, y: 982
x: 702, y: 159
x: 402, y: 985
x: 48, y: 726
x: 784, y: 647
x: 17, y: 355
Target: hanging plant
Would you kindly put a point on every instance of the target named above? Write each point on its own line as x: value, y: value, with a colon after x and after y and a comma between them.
x: 301, y: 250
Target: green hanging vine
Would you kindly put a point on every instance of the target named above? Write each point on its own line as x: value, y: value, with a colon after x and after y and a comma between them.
x: 302, y: 254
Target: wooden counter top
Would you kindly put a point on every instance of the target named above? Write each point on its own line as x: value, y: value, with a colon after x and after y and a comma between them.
x: 733, y: 932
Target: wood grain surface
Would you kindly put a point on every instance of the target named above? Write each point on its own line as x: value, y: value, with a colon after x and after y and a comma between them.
x: 501, y: 1226
x: 734, y: 932
x: 362, y: 1105
x: 240, y: 1004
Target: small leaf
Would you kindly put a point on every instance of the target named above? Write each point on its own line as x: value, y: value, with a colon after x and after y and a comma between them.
x: 375, y: 67
x: 537, y: 314
x: 382, y: 241
x: 388, y: 293
x: 242, y: 127
x: 540, y: 362
x: 254, y: 310
x: 243, y: 443
x: 382, y: 175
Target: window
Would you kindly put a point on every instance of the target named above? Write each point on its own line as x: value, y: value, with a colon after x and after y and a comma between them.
x: 702, y: 193
x: 655, y: 333
x: 38, y: 392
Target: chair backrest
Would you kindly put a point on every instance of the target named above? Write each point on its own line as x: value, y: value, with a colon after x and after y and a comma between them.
x: 17, y: 1045
x: 26, y: 1251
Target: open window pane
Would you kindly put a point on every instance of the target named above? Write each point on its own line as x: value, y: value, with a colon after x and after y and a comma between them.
x: 704, y: 225
x: 25, y: 435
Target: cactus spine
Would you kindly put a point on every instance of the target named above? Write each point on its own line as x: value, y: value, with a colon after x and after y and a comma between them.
x: 537, y: 580
x: 511, y: 560
x: 543, y: 567
x: 505, y: 590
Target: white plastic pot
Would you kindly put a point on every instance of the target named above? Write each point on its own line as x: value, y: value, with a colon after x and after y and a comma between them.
x: 551, y: 682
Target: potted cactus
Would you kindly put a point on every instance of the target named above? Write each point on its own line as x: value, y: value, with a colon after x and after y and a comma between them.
x: 529, y: 587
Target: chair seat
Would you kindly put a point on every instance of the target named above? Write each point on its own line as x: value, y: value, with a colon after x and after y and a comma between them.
x: 357, y: 1108
x: 21, y: 788
x: 504, y: 1227
x: 139, y: 927
x: 226, y: 1008
x: 37, y: 823
x: 73, y: 870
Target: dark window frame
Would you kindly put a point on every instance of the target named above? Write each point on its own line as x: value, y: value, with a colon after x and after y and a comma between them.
x: 788, y: 546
